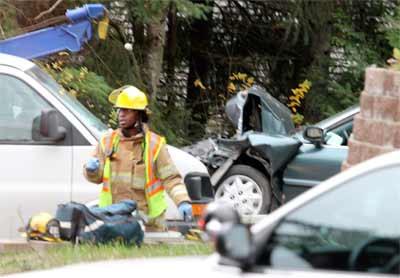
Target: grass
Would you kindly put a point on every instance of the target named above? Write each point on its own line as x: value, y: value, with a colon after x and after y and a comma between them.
x: 64, y: 255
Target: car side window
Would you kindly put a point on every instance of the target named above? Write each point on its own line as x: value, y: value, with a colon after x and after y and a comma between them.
x: 20, y: 109
x: 339, y: 135
x: 353, y: 227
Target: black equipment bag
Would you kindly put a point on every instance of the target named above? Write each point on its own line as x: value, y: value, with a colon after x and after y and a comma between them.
x: 114, y: 223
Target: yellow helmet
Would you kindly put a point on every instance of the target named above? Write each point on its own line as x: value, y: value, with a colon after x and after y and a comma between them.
x: 128, y: 97
x: 44, y: 227
x: 39, y: 222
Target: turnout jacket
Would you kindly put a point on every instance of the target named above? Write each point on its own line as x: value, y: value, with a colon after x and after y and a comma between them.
x: 128, y: 172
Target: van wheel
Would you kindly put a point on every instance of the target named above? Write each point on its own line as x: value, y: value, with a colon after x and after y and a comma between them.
x: 247, y: 189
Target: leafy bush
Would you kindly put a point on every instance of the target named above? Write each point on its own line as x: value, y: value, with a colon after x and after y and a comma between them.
x: 88, y: 87
x: 391, y: 27
x: 339, y: 77
x: 8, y: 20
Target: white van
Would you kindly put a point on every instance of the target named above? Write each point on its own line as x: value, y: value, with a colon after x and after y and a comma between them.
x: 45, y: 138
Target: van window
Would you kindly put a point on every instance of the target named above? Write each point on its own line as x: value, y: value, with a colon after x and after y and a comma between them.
x: 88, y: 119
x: 20, y: 108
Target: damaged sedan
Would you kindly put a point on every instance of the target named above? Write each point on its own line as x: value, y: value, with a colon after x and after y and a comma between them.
x: 269, y: 162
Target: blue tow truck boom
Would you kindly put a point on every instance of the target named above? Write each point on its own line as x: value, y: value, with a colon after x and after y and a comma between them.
x: 66, y: 37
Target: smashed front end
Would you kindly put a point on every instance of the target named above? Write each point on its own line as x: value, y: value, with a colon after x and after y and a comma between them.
x: 265, y: 134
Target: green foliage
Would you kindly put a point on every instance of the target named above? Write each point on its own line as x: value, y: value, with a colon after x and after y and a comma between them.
x: 171, y: 121
x: 338, y: 78
x: 92, y: 91
x: 191, y: 10
x: 148, y: 10
x: 8, y: 21
x: 112, y: 61
x: 89, y: 88
x: 391, y: 27
x: 337, y: 97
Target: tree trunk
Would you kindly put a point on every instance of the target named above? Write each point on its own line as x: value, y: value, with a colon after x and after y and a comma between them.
x: 171, y: 51
x: 196, y: 99
x: 154, y: 51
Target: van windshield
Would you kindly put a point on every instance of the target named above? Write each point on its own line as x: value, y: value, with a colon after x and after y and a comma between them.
x: 96, y: 127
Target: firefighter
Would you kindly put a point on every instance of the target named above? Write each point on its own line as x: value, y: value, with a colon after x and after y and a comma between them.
x: 133, y: 163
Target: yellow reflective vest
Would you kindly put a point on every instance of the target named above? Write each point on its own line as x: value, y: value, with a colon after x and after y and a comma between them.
x: 154, y: 189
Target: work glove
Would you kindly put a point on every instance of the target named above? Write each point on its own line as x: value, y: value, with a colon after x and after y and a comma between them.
x: 93, y: 164
x: 185, y: 209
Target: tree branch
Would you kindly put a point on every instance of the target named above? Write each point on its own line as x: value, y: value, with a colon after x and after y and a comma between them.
x: 2, y: 32
x: 58, y: 2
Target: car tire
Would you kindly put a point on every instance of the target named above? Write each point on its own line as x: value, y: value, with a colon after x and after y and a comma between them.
x: 247, y: 189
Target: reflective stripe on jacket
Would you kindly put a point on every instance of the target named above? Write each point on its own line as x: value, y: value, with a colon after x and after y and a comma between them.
x: 154, y: 189
x: 109, y: 145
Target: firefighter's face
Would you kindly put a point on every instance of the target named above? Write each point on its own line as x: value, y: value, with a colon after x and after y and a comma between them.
x: 127, y: 118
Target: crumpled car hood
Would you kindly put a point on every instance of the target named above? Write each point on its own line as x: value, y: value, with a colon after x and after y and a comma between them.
x: 255, y: 109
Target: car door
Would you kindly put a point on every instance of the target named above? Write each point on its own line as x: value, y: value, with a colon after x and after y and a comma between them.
x: 314, y: 163
x: 35, y: 173
x: 350, y: 227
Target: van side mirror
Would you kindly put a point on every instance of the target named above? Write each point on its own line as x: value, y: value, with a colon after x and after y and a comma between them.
x: 216, y: 215
x: 199, y: 186
x: 200, y: 191
x: 222, y: 212
x: 47, y: 127
x: 314, y: 134
x: 235, y: 243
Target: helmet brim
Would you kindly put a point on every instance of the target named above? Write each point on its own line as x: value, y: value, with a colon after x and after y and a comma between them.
x: 130, y: 108
x: 114, y: 95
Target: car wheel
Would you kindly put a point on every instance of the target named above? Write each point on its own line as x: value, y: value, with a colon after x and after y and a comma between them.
x: 247, y: 189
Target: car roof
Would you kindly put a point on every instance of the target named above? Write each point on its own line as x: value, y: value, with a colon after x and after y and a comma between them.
x: 338, y: 117
x: 379, y: 162
x: 15, y: 62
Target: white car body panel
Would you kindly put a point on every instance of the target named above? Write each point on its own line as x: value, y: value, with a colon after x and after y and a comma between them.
x: 82, y: 190
x: 20, y: 196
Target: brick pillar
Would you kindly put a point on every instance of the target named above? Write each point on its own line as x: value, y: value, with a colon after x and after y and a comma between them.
x: 376, y: 129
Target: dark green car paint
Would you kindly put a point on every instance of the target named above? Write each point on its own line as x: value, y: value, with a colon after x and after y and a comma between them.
x: 281, y: 148
x: 313, y: 164
x: 310, y: 166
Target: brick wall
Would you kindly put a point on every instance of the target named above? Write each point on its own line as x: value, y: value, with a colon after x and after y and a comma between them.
x: 376, y: 129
